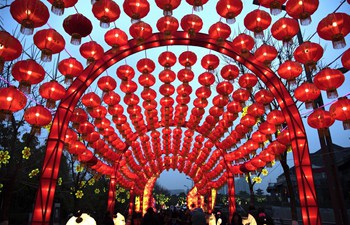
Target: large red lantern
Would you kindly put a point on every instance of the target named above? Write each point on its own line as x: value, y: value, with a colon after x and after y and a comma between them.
x: 58, y: 6
x: 248, y: 81
x: 275, y: 6
x: 192, y: 24
x: 265, y: 54
x: 106, y: 11
x: 229, y: 9
x: 10, y: 48
x: 197, y: 4
x: 11, y: 100
x: 301, y: 10
x: 106, y: 83
x: 77, y: 26
x: 50, y: 42
x: 70, y: 68
x: 329, y: 80
x: 116, y: 38
x: 167, y: 25
x: 320, y: 119
x: 285, y: 29
x: 290, y: 70
x: 335, y: 27
x: 136, y: 9
x: 243, y: 43
x: 307, y: 92
x: 140, y: 31
x: 167, y: 59
x: 308, y: 53
x: 91, y: 51
x: 229, y: 72
x: 27, y: 73
x: 30, y: 14
x: 220, y: 32
x: 168, y: 6
x: 345, y: 59
x: 257, y: 21
x: 340, y: 110
x: 52, y: 91
x: 210, y: 62
x: 37, y: 116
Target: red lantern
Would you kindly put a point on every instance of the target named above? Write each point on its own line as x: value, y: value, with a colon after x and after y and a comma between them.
x: 145, y: 65
x: 197, y: 4
x: 76, y: 148
x: 308, y: 53
x: 224, y: 88
x: 167, y: 25
x: 106, y: 84
x: 264, y: 97
x: 10, y: 48
x: 147, y: 80
x: 140, y: 31
x: 98, y: 112
x: 229, y: 72
x: 187, y: 59
x: 168, y: 6
x: 284, y: 137
x: 302, y: 10
x: 277, y: 148
x: 58, y: 6
x: 234, y: 107
x: 49, y: 41
x: 275, y: 6
x: 248, y: 120
x: 78, y: 117
x: 91, y: 51
x: 27, y: 73
x: 335, y: 27
x: 307, y: 92
x: 52, y: 91
x: 243, y: 43
x: 268, y: 129
x: 70, y: 68
x: 185, y: 75
x: 340, y: 110
x: 106, y: 11
x: 290, y: 70
x: 275, y: 117
x: 320, y: 119
x: 220, y: 32
x: 128, y: 86
x: 192, y: 24
x: 125, y: 72
x: 111, y: 98
x: 285, y: 29
x: 206, y: 79
x: 90, y: 100
x: 256, y: 109
x: 241, y: 95
x: 11, y: 100
x: 30, y: 14
x: 248, y: 81
x: 257, y: 21
x: 329, y: 80
x: 116, y: 38
x: 229, y: 9
x: 77, y: 26
x: 37, y: 116
x: 136, y: 9
x: 86, y: 128
x: 167, y: 59
x: 265, y: 54
x: 345, y: 59
x: 210, y: 62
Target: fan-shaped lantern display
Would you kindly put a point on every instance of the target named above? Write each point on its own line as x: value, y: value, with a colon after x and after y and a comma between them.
x: 248, y: 81
x: 91, y: 51
x: 37, y: 116
x: 243, y: 43
x: 30, y: 14
x: 168, y: 6
x: 210, y: 62
x: 229, y: 9
x: 334, y: 27
x: 58, y: 6
x: 302, y: 10
x: 220, y: 32
x: 345, y: 59
x: 106, y: 11
x: 11, y: 100
x: 307, y: 92
x: 308, y: 53
x: 145, y: 65
x: 197, y: 4
x: 70, y: 68
x: 285, y: 29
x: 77, y: 26
x: 229, y: 72
x: 167, y: 59
x: 167, y: 25
x: 27, y: 73
x: 52, y: 91
x: 187, y: 59
x: 106, y: 83
x: 257, y: 21
x: 140, y: 31
x: 49, y: 41
x: 320, y: 119
x: 136, y: 9
x: 116, y: 38
x: 192, y: 24
x: 125, y: 72
x: 275, y: 6
x: 329, y: 80
x: 265, y: 54
x: 10, y: 48
x: 340, y: 110
x: 290, y: 70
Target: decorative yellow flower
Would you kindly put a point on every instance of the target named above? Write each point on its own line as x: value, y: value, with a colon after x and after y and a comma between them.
x: 244, y: 111
x: 33, y: 173
x: 26, y: 153
x: 1, y: 186
x: 123, y: 200
x: 79, y: 168
x: 79, y: 194
x: 104, y: 190
x: 118, y: 199
x: 121, y: 190
x: 289, y: 149
x: 91, y: 181
x: 4, y: 157
x: 257, y: 180
x: 97, y: 191
x: 273, y: 162
x: 59, y: 181
x: 264, y: 172
x: 82, y: 183
x: 48, y: 127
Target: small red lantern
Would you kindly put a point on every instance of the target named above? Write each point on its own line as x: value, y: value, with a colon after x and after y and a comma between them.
x: 192, y: 24
x: 248, y: 120
x: 248, y: 81
x: 275, y: 6
x: 308, y: 53
x: 285, y: 29
x: 197, y: 4
x: 140, y: 31
x: 320, y: 119
x: 136, y: 9
x: 52, y: 91
x: 147, y: 80
x: 167, y: 25
x: 265, y: 54
x: 243, y: 43
x: 335, y: 27
x: 91, y: 51
x: 220, y: 32
x: 256, y: 109
x: 50, y: 42
x: 224, y: 88
x: 185, y: 75
x: 302, y: 10
x: 78, y: 117
x: 277, y: 148
x: 86, y: 128
x: 345, y: 59
x: 241, y: 95
x: 206, y: 79
x: 77, y: 26
x: 37, y: 116
x: 30, y: 14
x: 257, y: 21
x: 58, y: 6
x: 290, y: 70
x: 106, y: 11
x: 187, y: 59
x: 284, y: 137
x: 90, y: 100
x: 27, y: 73
x: 329, y: 80
x: 11, y: 100
x: 264, y: 97
x: 168, y: 6
x: 106, y: 84
x: 210, y: 62
x: 128, y: 86
x: 167, y: 59
x: 340, y: 110
x: 116, y: 38
x: 70, y: 68
x: 145, y: 65
x: 275, y: 117
x: 98, y: 112
x: 10, y: 48
x: 307, y: 92
x: 229, y: 9
x: 268, y: 129
x: 125, y: 72
x: 111, y: 98
x: 76, y: 148
x: 234, y: 107
x: 229, y: 72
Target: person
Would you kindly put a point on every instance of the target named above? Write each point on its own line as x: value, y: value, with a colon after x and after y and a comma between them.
x: 220, y: 218
x: 197, y: 216
x: 250, y: 219
x: 236, y: 219
x: 150, y: 218
x: 108, y: 219
x: 119, y: 219
x: 263, y: 218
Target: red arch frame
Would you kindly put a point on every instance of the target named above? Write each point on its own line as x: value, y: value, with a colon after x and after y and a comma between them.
x: 55, y: 144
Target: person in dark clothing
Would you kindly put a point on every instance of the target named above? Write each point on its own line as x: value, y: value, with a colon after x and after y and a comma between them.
x: 108, y: 219
x: 150, y: 218
x: 236, y: 219
x: 263, y: 218
x: 198, y: 216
